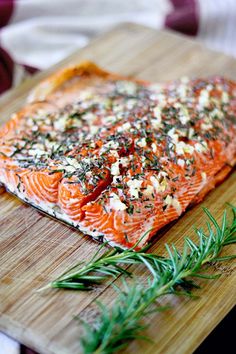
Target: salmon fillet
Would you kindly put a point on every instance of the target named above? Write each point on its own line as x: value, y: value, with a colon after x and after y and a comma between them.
x: 119, y: 158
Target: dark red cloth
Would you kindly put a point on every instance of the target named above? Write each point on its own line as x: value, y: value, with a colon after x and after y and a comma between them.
x: 6, y: 10
x: 6, y: 63
x: 6, y: 71
x: 184, y: 17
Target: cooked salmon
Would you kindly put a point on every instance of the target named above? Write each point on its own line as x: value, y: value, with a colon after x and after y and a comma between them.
x: 119, y: 158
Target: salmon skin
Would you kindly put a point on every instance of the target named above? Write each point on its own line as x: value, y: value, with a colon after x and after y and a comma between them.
x: 119, y: 158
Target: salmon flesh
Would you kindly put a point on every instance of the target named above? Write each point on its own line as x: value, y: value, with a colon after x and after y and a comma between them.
x: 117, y: 157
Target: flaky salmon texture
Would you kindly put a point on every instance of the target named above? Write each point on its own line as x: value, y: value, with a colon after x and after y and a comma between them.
x: 117, y: 157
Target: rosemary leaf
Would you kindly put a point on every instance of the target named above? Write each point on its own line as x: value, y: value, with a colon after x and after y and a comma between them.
x: 123, y: 322
x: 101, y: 267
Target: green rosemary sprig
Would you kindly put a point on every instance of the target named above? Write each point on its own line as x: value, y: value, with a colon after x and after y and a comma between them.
x: 101, y: 267
x: 120, y: 324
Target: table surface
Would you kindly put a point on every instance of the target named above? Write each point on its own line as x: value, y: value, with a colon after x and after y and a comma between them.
x: 35, y: 249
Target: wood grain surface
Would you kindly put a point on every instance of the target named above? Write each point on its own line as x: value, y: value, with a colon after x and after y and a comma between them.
x: 35, y: 249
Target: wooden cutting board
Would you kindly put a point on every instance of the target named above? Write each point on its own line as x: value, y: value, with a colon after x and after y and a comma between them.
x: 35, y: 249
